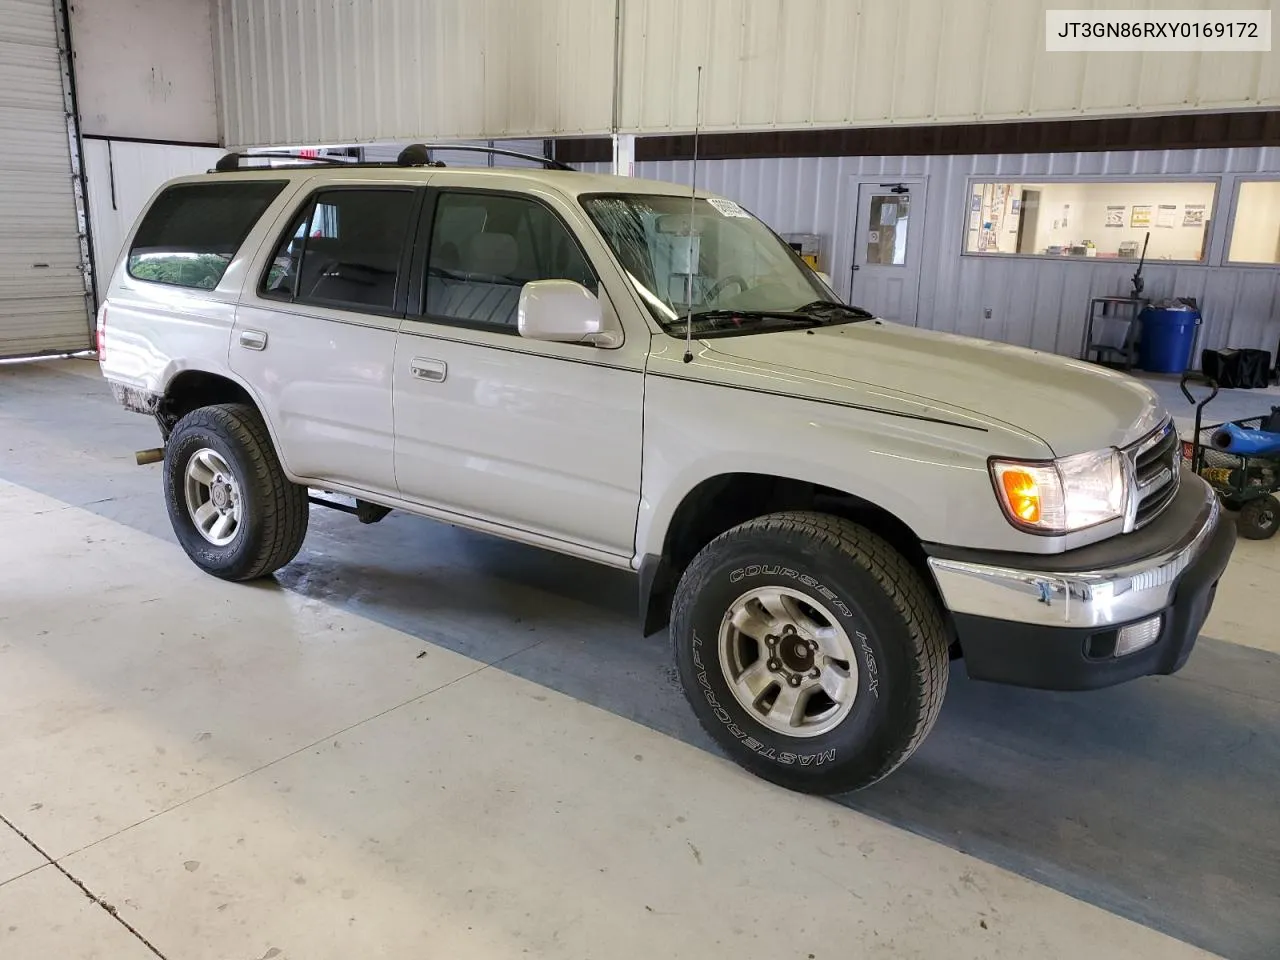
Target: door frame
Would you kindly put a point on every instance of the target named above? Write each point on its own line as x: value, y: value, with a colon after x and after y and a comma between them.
x: 847, y: 249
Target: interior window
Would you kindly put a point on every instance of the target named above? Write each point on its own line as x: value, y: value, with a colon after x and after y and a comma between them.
x: 1108, y: 220
x: 344, y: 248
x: 192, y: 231
x: 1255, y: 235
x: 485, y: 248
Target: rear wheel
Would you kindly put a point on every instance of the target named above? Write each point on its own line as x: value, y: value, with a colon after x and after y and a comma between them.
x: 1259, y: 518
x: 232, y: 508
x: 810, y: 650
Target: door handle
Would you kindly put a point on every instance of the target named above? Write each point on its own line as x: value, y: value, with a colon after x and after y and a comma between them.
x: 253, y: 339
x: 426, y: 369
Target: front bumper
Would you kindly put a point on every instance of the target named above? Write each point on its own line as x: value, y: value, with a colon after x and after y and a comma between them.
x: 1053, y: 622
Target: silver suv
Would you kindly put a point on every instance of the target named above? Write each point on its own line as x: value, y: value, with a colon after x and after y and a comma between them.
x: 824, y: 507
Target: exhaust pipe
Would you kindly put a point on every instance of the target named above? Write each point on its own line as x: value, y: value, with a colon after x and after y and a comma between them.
x: 154, y: 455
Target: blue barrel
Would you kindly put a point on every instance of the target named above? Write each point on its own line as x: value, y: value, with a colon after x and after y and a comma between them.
x: 1168, y: 334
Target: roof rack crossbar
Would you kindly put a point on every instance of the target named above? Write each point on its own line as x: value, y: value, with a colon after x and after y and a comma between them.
x: 548, y: 162
x: 232, y: 161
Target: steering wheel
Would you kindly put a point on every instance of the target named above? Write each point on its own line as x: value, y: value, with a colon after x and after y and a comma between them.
x: 718, y: 288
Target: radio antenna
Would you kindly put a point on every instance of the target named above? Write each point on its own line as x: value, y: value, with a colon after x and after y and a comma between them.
x: 693, y: 202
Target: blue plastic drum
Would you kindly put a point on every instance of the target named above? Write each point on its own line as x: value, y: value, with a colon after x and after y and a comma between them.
x: 1168, y: 335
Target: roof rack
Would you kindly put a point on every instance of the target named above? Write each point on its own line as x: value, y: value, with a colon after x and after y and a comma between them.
x: 414, y: 155
x: 231, y: 162
x: 419, y: 154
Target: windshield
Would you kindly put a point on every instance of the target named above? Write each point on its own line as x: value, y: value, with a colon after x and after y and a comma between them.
x: 717, y: 260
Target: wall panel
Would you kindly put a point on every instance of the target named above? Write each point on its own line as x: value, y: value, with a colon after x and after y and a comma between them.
x: 339, y: 71
x: 145, y: 69
x: 346, y: 71
x: 800, y: 63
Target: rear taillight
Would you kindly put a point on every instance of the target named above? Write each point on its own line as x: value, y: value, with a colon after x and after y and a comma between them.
x: 102, y: 333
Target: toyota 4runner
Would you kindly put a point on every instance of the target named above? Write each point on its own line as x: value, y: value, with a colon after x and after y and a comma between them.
x: 825, y: 508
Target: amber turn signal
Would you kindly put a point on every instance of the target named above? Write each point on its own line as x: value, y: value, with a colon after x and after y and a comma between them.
x: 1022, y: 494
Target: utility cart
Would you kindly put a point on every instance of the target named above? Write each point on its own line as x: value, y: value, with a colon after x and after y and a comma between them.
x: 1246, y: 482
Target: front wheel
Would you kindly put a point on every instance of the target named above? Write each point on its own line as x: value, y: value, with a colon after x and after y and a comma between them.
x: 232, y: 508
x: 810, y: 650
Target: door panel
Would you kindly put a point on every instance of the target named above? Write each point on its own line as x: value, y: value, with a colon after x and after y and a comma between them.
x: 326, y: 384
x: 537, y: 436
x: 888, y: 233
x: 489, y: 428
x: 317, y: 337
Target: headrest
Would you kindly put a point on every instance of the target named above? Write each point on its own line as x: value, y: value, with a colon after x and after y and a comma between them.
x: 493, y: 253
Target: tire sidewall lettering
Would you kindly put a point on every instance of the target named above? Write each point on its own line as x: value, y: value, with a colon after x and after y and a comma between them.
x: 771, y: 570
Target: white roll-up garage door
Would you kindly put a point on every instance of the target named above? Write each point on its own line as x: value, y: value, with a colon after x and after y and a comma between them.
x: 43, y: 308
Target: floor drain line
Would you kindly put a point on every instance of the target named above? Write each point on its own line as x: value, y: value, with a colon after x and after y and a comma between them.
x: 109, y: 908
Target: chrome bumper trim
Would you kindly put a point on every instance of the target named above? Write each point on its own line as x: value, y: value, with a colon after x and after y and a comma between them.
x: 1091, y: 598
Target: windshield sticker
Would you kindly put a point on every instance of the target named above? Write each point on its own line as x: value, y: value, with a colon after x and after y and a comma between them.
x: 728, y: 208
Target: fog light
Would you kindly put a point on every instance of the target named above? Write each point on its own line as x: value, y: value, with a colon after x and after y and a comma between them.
x: 1137, y: 636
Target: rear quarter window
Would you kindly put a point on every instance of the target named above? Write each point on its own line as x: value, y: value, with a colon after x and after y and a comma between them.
x: 193, y: 231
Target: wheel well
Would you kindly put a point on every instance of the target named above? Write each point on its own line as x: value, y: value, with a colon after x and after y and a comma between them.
x: 194, y: 389
x: 723, y: 502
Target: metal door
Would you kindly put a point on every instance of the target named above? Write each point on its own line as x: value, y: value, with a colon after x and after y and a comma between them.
x: 43, y: 247
x: 888, y: 233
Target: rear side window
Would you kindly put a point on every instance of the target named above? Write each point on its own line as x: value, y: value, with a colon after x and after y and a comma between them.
x: 193, y: 230
x: 344, y: 249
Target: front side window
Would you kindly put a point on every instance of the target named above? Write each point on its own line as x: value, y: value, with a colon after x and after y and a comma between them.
x: 1090, y: 219
x: 1255, y: 235
x: 343, y: 249
x: 709, y: 258
x: 193, y: 230
x: 486, y: 247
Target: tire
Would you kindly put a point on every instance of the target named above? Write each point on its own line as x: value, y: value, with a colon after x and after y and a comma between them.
x: 855, y: 582
x: 228, y: 445
x: 1259, y: 518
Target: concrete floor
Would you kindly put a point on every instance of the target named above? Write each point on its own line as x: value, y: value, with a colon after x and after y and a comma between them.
x: 423, y: 742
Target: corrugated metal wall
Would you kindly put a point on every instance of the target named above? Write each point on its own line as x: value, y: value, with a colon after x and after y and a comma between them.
x: 1034, y: 302
x: 830, y: 63
x: 342, y: 71
x: 345, y: 71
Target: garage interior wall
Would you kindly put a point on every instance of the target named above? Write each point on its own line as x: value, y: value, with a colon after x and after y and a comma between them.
x: 835, y: 63
x: 148, y: 112
x: 330, y: 72
x: 144, y: 69
x: 1034, y: 302
x: 333, y: 71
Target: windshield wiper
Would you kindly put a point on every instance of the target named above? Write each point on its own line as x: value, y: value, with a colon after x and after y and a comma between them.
x: 724, y: 322
x: 717, y: 314
x: 825, y: 309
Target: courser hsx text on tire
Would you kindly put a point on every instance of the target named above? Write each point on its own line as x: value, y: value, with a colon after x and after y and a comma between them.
x: 811, y: 651
x: 232, y: 508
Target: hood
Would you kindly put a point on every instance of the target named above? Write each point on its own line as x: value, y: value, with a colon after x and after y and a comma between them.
x: 1071, y: 405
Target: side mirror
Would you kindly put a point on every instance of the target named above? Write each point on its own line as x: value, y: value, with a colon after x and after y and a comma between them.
x: 563, y: 311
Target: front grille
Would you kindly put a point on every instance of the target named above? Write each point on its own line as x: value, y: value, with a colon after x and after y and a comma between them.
x: 1156, y: 459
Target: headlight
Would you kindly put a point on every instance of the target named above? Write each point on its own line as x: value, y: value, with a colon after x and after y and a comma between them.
x: 1061, y: 496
